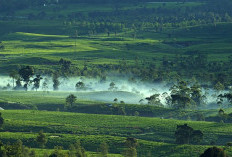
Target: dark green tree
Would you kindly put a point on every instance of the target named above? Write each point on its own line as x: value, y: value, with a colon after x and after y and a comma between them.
x: 58, y: 152
x: 214, y: 152
x: 76, y: 150
x: 185, y: 135
x: 131, y: 144
x: 14, y: 75
x: 104, y: 149
x: 41, y: 139
x: 80, y: 85
x: 70, y: 100
x: 56, y: 82
x: 180, y: 95
x: 37, y: 82
x: 26, y: 73
x: 18, y: 84
x: 154, y: 100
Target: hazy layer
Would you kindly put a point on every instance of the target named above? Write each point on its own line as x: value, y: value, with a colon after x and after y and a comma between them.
x: 96, y: 90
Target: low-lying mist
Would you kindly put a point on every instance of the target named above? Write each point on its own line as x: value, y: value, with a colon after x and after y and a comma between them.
x: 124, y: 89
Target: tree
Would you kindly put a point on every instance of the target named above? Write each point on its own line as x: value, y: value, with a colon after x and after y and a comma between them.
x: 41, y: 139
x: 65, y: 65
x: 26, y: 73
x: 18, y: 84
x: 214, y: 152
x: 196, y: 94
x: 180, y: 95
x: 131, y: 144
x: 185, y: 134
x: 45, y: 85
x: 56, y: 82
x: 16, y: 149
x: 37, y: 82
x: 227, y: 96
x: 80, y: 85
x: 14, y: 75
x: 218, y: 87
x: 70, y: 100
x: 57, y: 152
x: 76, y: 150
x: 112, y: 86
x: 1, y: 120
x: 115, y: 100
x: 154, y: 100
x: 104, y: 148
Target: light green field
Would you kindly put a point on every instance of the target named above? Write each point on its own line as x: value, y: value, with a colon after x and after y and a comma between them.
x: 41, y: 50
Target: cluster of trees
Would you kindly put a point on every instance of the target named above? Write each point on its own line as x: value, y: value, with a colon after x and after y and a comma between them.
x: 16, y: 149
x: 171, y: 70
x: 25, y: 76
x: 185, y: 135
x: 122, y: 20
x: 183, y: 95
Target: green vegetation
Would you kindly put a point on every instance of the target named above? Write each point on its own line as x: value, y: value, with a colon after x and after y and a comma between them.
x: 185, y: 46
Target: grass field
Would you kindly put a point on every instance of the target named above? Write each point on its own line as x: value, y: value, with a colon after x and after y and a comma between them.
x: 43, y: 50
x: 96, y: 128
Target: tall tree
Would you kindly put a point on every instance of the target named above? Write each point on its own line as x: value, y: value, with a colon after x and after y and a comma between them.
x: 26, y: 73
x: 14, y: 75
x: 56, y: 82
x: 41, y: 139
x: 37, y: 82
x: 180, y: 95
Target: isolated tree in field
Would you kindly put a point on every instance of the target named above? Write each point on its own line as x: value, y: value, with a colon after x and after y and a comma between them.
x: 80, y: 85
x: 41, y: 139
x: 70, y: 100
x: 131, y: 144
x: 214, y: 152
x: 185, y: 134
x: 115, y: 100
x: 56, y: 82
x: 26, y: 73
x: 37, y: 82
x: 1, y: 120
x: 104, y: 148
x: 112, y: 86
